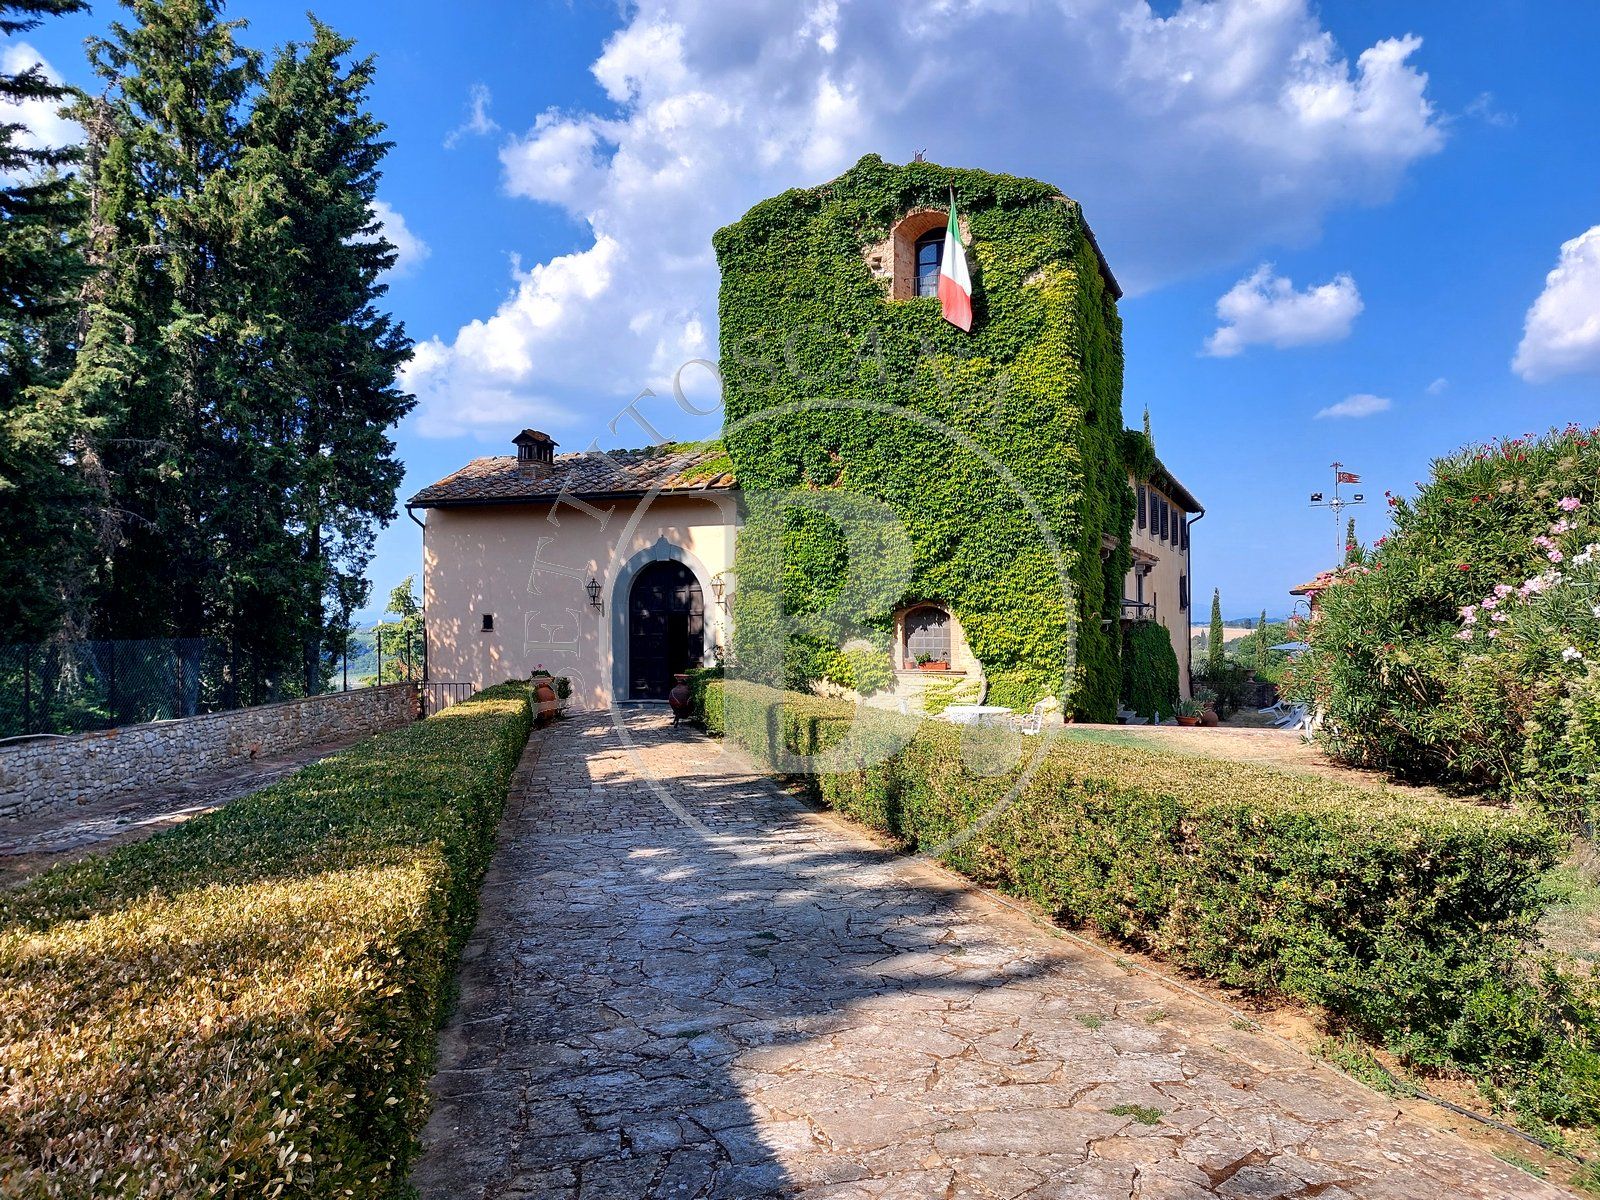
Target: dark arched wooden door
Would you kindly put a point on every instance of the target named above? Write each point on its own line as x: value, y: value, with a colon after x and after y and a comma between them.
x: 666, y: 628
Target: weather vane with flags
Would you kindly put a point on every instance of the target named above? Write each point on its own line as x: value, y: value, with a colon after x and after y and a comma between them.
x: 1339, y: 502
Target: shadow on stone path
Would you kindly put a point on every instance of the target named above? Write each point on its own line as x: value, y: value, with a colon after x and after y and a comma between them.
x: 710, y: 991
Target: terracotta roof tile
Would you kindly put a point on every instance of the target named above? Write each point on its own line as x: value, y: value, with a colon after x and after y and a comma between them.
x: 613, y: 472
x: 1321, y: 583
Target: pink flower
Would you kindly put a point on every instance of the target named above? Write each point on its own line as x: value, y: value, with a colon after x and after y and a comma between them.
x: 1569, y: 504
x: 1554, y: 555
x: 1503, y: 590
x: 1464, y: 636
x: 1489, y: 602
x: 1469, y: 614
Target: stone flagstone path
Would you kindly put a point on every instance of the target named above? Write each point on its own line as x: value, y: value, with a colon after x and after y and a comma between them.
x: 701, y: 989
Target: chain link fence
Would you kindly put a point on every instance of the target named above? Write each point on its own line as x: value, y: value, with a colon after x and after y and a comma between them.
x: 73, y: 687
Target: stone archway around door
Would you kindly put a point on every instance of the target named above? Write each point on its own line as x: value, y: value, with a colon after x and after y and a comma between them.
x: 666, y: 628
x: 619, y: 605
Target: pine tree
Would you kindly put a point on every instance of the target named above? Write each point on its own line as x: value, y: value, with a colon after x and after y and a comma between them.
x: 1216, y: 641
x: 43, y: 475
x: 315, y: 148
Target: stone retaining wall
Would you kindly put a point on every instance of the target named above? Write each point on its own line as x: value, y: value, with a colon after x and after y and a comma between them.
x: 43, y: 774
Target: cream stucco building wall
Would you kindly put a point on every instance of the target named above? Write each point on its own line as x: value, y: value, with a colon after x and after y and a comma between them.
x: 527, y: 566
x: 1159, y: 579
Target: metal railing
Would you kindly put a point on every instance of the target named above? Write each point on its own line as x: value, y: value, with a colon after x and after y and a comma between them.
x: 76, y: 687
x: 438, y: 696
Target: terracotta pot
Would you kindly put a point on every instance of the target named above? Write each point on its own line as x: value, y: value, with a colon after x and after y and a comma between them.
x: 680, y: 698
x: 544, y: 694
x: 936, y: 665
x: 1209, y: 718
x: 1188, y: 720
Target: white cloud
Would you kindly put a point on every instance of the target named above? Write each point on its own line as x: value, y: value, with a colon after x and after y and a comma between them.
x: 1264, y: 308
x: 1438, y: 386
x: 43, y: 126
x: 1484, y: 108
x: 1361, y: 405
x: 410, y: 250
x: 478, y: 123
x: 1561, y: 333
x: 1191, y: 140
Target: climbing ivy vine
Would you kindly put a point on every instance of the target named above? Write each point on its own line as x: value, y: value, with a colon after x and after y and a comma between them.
x: 1002, y: 452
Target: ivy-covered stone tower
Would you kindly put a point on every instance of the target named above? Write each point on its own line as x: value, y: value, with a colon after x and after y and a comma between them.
x: 1001, y: 451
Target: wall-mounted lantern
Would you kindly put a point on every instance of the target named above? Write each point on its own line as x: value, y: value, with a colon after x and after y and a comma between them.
x: 717, y: 585
x: 593, y: 588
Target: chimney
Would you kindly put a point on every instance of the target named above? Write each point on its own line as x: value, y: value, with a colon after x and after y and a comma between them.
x: 536, y: 453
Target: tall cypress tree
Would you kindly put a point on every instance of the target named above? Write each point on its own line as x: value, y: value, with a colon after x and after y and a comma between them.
x: 315, y: 150
x: 1216, y: 642
x: 166, y: 335
x: 1352, y: 548
x: 1261, y: 641
x: 43, y: 475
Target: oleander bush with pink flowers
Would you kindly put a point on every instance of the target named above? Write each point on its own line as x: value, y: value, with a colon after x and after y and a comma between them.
x: 1464, y: 649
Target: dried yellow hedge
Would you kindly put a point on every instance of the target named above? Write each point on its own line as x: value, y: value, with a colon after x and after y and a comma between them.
x: 246, y: 1005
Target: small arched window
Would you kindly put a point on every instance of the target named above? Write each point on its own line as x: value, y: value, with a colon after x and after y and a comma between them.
x: 928, y: 634
x: 930, y: 252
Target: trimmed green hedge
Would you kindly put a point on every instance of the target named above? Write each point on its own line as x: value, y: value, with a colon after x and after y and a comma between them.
x: 1402, y: 915
x: 246, y: 1005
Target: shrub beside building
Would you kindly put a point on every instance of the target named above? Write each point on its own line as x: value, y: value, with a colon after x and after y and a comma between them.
x: 1465, y: 648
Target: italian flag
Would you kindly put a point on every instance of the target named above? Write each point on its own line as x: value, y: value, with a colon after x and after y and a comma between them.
x: 955, y: 285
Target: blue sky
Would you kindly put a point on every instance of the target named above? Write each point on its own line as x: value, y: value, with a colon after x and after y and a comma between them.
x: 1379, y: 190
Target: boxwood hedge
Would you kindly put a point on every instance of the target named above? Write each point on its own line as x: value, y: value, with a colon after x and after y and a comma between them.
x: 1402, y: 915
x: 246, y: 1005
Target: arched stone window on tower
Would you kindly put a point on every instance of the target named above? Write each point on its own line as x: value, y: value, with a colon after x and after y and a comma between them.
x: 909, y: 258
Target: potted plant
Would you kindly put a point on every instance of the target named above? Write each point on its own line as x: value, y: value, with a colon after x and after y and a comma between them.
x: 1189, y: 712
x: 681, y: 698
x: 544, y: 693
x: 927, y: 662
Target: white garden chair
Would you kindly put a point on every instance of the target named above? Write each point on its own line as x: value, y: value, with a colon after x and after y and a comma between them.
x: 1033, y: 723
x: 1293, y: 718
